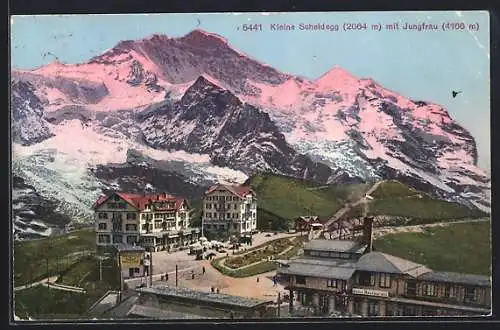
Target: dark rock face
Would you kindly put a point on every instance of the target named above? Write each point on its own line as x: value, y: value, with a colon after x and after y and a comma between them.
x: 30, y: 209
x: 136, y: 74
x: 28, y: 127
x: 69, y: 112
x: 142, y: 175
x: 211, y: 120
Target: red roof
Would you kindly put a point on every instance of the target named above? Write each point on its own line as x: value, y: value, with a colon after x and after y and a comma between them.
x: 140, y: 201
x: 239, y: 190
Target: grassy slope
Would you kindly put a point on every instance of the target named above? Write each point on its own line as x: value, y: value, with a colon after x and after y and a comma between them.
x: 396, y: 199
x: 461, y: 247
x: 81, y: 272
x: 56, y: 304
x: 282, y: 199
x: 30, y: 257
x: 40, y: 302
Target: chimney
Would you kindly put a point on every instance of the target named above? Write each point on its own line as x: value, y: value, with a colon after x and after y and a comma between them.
x: 368, y: 233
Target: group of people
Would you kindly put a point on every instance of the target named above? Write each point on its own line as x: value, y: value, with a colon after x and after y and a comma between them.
x: 165, y: 277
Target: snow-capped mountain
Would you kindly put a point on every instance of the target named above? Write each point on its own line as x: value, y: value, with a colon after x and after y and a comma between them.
x: 196, y: 105
x: 211, y: 120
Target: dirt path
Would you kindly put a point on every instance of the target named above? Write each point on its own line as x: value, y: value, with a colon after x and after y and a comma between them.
x: 382, y: 231
x: 243, y: 287
x: 30, y: 285
x: 56, y: 286
x: 348, y: 206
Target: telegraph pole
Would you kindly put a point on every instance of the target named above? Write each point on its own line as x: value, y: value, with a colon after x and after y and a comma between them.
x: 151, y: 269
x: 176, y: 277
x: 121, y: 276
x: 100, y: 269
x: 279, y: 304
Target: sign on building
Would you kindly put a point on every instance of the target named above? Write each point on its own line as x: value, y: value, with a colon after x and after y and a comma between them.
x: 130, y: 259
x: 369, y: 292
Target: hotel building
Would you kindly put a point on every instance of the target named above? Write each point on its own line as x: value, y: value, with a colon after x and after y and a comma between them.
x: 156, y: 222
x: 229, y: 210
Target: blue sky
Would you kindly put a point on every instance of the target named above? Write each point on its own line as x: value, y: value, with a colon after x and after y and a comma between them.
x: 424, y: 65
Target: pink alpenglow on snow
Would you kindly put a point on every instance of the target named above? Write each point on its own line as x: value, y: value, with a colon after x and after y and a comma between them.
x: 337, y: 79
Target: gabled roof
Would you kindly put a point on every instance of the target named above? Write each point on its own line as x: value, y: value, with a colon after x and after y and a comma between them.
x: 385, y: 263
x: 239, y: 190
x: 129, y: 198
x: 331, y: 245
x: 140, y: 201
x: 309, y: 219
x: 321, y: 271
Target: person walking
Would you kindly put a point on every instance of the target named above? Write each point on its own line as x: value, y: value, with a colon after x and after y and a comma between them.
x: 203, y: 270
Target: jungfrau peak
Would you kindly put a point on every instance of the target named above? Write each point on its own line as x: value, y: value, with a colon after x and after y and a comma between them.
x: 144, y: 105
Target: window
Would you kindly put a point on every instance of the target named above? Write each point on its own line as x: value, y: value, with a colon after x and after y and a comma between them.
x: 131, y: 216
x: 366, y: 279
x: 116, y: 198
x: 449, y: 291
x: 117, y: 239
x: 235, y: 226
x: 131, y: 239
x: 145, y: 226
x: 385, y: 280
x: 208, y: 226
x: 331, y: 283
x: 373, y: 308
x: 103, y: 238
x: 334, y: 254
x: 157, y: 224
x: 429, y: 289
x: 131, y: 227
x: 122, y: 205
x: 102, y: 215
x: 117, y: 224
x: 471, y: 294
x: 300, y: 279
x: 103, y: 226
x: 314, y: 253
x: 229, y: 215
x: 324, y: 254
x: 235, y: 206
